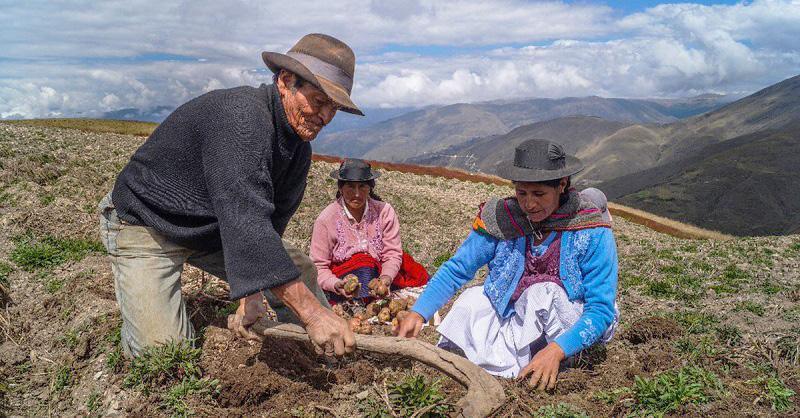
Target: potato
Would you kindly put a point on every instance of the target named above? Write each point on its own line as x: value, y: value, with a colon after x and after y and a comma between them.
x: 373, y: 309
x: 355, y: 324
x: 380, y: 291
x: 339, y: 311
x: 395, y: 306
x: 365, y: 328
x: 385, y: 315
x: 373, y: 283
x: 351, y: 285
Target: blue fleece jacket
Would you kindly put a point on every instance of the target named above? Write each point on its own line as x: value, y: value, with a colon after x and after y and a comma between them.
x: 588, y: 270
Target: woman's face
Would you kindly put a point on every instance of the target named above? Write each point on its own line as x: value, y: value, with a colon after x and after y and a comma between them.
x: 355, y: 194
x: 539, y: 200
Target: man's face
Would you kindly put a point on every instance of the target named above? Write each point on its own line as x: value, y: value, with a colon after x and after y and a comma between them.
x: 538, y: 200
x: 307, y: 107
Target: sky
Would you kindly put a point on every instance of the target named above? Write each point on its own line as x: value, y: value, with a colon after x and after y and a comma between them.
x: 69, y: 58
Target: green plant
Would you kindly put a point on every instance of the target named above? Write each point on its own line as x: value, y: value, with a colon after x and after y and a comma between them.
x: 667, y: 391
x: 612, y: 396
x: 561, y: 410
x: 93, y: 401
x: 114, y: 357
x: 5, y: 271
x: 751, y: 307
x: 697, y: 348
x: 31, y: 254
x: 774, y: 391
x: 413, y: 396
x: 441, y: 259
x: 175, y: 399
x: 732, y: 279
x: 769, y: 288
x: 224, y: 311
x: 161, y: 364
x: 729, y: 334
x: 61, y: 379
x: 54, y: 285
x: 694, y: 322
x: 70, y: 338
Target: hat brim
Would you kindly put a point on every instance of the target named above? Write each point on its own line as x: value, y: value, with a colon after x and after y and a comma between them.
x: 276, y: 61
x: 335, y: 176
x: 511, y: 172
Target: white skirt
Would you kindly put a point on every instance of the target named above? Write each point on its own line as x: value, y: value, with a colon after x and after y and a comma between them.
x: 503, y: 346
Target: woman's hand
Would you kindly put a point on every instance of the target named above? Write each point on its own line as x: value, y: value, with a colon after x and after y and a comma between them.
x: 386, y: 280
x: 410, y: 326
x: 544, y: 367
x: 338, y: 287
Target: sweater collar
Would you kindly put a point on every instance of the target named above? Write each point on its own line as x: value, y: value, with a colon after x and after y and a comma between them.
x: 281, y: 121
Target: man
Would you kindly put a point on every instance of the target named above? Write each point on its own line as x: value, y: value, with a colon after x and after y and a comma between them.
x: 215, y: 186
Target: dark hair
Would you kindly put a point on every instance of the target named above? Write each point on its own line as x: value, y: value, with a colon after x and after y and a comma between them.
x: 370, y: 183
x: 554, y: 184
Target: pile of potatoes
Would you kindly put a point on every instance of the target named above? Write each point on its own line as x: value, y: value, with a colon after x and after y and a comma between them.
x: 384, y: 309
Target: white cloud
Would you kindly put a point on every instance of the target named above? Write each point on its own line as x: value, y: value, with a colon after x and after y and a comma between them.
x: 80, y: 58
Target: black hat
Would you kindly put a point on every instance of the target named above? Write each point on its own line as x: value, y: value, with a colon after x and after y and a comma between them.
x: 322, y: 60
x: 353, y: 169
x: 538, y: 160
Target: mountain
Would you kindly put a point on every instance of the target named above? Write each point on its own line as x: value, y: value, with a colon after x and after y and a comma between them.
x: 413, y: 133
x: 744, y: 186
x: 155, y: 114
x: 420, y: 133
x: 343, y: 121
x: 485, y: 154
x: 372, y: 115
x: 641, y: 147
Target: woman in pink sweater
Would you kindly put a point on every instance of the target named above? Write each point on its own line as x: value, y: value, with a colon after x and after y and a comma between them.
x: 356, y: 234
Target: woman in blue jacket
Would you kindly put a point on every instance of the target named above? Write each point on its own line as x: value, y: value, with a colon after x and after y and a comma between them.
x: 552, y: 282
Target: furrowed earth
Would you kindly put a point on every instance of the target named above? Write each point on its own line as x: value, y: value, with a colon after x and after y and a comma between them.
x: 708, y: 327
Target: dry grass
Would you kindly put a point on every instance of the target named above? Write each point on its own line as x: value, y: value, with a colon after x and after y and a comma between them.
x: 123, y: 127
x: 664, y: 225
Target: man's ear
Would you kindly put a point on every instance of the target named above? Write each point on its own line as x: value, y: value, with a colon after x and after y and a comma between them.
x: 286, y: 79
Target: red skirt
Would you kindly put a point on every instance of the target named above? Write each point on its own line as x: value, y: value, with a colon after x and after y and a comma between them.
x: 411, y: 274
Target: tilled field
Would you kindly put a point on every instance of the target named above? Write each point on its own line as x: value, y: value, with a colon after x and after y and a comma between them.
x: 708, y: 327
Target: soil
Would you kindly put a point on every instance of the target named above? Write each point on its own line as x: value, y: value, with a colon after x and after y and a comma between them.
x: 44, y: 332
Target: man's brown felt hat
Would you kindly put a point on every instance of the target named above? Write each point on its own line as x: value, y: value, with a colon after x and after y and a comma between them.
x: 322, y: 60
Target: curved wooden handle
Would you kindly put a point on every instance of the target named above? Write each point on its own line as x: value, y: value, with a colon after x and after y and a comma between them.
x: 484, y: 393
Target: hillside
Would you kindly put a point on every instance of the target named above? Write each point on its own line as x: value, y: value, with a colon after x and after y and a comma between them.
x: 744, y: 186
x: 431, y: 130
x: 485, y: 154
x: 708, y: 328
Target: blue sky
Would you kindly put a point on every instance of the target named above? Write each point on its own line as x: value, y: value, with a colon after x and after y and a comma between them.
x: 81, y: 58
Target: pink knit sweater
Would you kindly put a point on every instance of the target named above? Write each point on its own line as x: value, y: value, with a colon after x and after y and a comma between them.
x: 336, y: 238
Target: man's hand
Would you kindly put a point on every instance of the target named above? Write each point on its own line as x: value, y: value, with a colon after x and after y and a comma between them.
x: 544, y: 367
x: 251, y: 309
x: 329, y: 333
x: 410, y: 326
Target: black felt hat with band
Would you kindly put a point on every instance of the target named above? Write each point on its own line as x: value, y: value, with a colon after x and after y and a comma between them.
x: 322, y: 60
x: 539, y: 160
x: 353, y: 169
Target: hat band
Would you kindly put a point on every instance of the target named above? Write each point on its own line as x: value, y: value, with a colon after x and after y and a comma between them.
x: 524, y: 159
x: 329, y: 71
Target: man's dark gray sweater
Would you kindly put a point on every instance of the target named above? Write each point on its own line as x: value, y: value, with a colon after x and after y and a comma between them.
x: 223, y: 171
